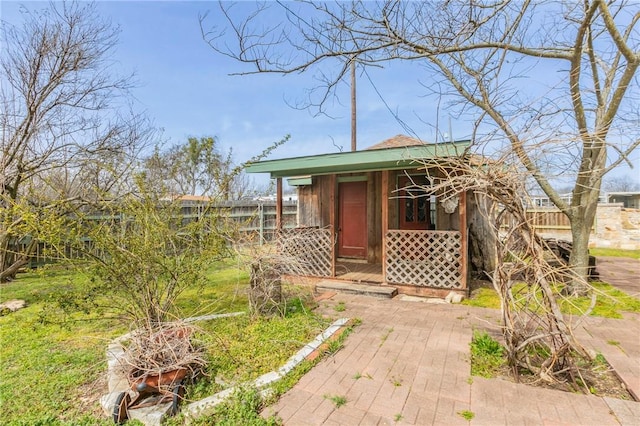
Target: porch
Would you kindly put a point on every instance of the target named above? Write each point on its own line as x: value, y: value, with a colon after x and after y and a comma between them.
x: 359, y: 272
x: 427, y: 263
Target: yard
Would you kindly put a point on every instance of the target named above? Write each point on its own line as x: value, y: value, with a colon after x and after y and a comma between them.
x: 52, y: 363
x: 52, y: 360
x: 610, y: 301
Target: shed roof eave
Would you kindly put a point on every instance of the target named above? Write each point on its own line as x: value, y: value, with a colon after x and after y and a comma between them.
x: 358, y: 161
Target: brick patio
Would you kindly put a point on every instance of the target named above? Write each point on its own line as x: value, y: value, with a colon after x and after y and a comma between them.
x: 407, y: 363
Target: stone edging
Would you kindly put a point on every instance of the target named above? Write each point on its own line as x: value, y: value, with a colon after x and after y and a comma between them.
x: 154, y: 415
x: 195, y: 408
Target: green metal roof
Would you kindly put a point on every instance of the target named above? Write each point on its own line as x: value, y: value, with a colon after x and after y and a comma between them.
x: 358, y: 161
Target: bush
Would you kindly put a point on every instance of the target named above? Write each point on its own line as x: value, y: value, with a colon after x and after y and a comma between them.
x: 147, y: 254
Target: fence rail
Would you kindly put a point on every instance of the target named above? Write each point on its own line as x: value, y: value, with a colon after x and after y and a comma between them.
x: 547, y: 219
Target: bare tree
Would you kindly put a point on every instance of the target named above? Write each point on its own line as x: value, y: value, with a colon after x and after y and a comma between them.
x: 621, y: 184
x: 555, y: 81
x: 63, y: 136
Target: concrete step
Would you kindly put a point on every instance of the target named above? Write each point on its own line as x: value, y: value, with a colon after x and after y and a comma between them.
x: 385, y: 292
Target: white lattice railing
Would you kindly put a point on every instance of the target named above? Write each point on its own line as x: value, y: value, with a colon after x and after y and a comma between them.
x: 309, y: 249
x: 424, y: 258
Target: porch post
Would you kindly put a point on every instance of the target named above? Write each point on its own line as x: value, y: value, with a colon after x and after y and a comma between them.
x: 332, y: 221
x: 278, y: 204
x: 385, y: 221
x: 462, y: 209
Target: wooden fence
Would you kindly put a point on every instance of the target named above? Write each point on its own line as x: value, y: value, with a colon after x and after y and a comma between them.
x: 252, y: 217
x: 551, y: 220
x: 548, y: 219
x: 256, y: 220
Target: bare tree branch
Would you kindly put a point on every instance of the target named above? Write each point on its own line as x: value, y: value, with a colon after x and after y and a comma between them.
x: 60, y: 118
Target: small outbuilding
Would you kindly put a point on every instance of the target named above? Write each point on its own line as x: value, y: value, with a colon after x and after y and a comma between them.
x: 368, y: 217
x: 629, y: 200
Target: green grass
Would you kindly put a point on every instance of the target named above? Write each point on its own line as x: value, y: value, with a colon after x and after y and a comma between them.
x: 484, y: 298
x: 243, y: 348
x: 486, y: 355
x: 338, y: 400
x: 48, y: 370
x: 467, y: 415
x: 52, y: 372
x: 225, y: 292
x: 610, y: 302
x: 385, y: 336
x: 611, y: 252
x: 243, y: 408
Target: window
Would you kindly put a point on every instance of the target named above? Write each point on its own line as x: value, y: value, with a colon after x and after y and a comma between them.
x: 416, y: 206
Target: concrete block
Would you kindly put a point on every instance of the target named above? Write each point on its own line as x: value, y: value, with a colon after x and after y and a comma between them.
x: 454, y: 297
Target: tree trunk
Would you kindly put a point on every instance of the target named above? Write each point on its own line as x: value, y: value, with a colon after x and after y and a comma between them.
x: 482, y: 242
x: 12, y: 262
x: 579, y: 258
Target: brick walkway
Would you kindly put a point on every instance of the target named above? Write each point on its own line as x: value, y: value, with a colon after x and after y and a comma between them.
x: 623, y: 273
x: 408, y: 364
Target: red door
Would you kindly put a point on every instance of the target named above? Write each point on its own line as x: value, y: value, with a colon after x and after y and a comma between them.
x: 352, y: 216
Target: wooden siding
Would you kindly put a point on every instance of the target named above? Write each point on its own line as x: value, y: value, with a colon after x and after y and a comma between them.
x: 393, y: 202
x: 314, y: 203
x: 444, y: 251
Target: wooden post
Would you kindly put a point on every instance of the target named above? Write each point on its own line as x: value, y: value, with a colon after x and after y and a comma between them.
x: 462, y: 209
x: 385, y: 221
x: 261, y: 217
x: 278, y: 204
x: 372, y: 237
x: 332, y: 222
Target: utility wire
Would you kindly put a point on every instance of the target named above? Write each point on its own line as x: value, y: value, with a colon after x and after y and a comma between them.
x: 404, y: 125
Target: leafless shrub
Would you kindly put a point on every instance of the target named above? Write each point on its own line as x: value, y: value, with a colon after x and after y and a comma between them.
x: 265, y: 284
x: 270, y: 262
x: 163, y: 349
x: 527, y: 278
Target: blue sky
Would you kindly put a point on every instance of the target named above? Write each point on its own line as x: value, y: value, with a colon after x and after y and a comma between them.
x: 186, y: 89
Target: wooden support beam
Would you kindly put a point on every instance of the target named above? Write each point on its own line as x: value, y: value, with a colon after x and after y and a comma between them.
x: 372, y: 214
x: 385, y: 220
x: 464, y: 257
x: 332, y: 221
x: 278, y: 204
